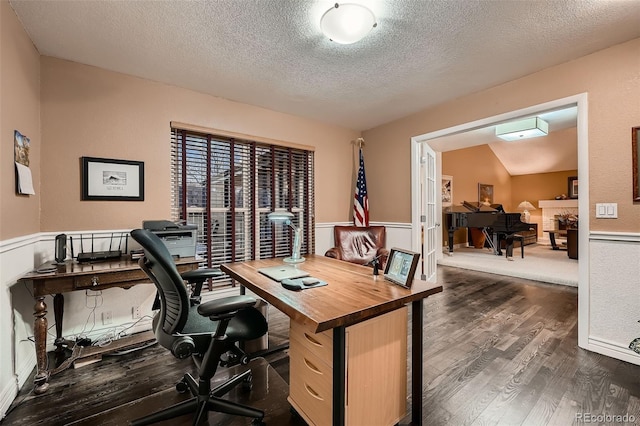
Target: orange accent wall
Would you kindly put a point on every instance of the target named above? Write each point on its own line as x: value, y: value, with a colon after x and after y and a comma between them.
x: 19, y: 110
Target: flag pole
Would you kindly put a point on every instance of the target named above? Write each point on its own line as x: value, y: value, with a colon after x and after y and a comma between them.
x: 361, y: 199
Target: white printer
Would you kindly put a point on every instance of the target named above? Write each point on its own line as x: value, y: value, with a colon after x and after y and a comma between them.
x: 179, y: 239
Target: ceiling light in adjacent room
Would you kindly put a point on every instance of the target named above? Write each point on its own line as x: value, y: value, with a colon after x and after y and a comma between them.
x: 347, y: 23
x: 522, y: 129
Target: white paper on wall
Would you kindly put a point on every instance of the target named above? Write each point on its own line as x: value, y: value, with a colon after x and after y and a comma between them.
x: 25, y: 181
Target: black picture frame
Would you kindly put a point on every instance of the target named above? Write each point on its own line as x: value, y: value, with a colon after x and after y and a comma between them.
x: 108, y: 179
x: 401, y: 267
x: 572, y: 187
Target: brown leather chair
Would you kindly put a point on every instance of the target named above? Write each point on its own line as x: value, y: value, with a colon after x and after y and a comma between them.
x: 359, y: 244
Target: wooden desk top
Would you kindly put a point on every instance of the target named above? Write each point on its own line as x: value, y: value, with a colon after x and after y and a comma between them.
x: 352, y: 295
x: 74, y: 268
x: 72, y: 275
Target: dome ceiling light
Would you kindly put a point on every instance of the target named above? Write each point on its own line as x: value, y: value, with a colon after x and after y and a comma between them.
x: 347, y: 23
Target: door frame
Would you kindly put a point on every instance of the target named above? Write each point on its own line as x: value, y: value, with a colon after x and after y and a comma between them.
x: 581, y: 102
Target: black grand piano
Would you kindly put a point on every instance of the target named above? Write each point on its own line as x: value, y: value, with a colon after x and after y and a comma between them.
x: 492, y: 219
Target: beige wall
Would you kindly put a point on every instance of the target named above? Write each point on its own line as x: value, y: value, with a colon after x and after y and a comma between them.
x: 19, y: 110
x: 87, y: 111
x: 611, y: 78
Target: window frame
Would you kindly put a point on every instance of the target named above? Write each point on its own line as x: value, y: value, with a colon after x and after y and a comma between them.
x: 289, y: 169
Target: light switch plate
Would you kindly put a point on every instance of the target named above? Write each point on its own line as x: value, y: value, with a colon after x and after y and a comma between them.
x: 607, y: 210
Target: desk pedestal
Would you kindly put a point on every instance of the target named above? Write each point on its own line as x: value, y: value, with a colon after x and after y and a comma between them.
x: 375, y: 371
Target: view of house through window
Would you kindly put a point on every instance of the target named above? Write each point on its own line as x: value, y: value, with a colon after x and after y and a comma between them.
x: 228, y: 186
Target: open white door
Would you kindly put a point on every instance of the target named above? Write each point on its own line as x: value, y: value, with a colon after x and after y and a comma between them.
x: 428, y: 211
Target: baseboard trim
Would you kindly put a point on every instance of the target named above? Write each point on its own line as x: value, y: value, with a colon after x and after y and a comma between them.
x: 26, y: 366
x: 612, y: 350
x: 8, y: 394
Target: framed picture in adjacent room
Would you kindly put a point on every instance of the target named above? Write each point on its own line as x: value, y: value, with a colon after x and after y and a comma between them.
x: 485, y: 194
x: 573, y: 187
x: 447, y: 190
x: 105, y: 179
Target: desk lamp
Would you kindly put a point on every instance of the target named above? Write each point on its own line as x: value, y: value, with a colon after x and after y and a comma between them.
x: 525, y: 206
x: 285, y: 218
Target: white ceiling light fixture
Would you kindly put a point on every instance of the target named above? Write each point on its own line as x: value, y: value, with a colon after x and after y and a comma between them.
x: 522, y: 129
x: 347, y: 23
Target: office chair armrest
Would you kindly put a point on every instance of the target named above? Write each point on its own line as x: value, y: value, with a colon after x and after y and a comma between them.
x: 196, y: 278
x: 334, y: 252
x: 200, y: 275
x: 219, y: 307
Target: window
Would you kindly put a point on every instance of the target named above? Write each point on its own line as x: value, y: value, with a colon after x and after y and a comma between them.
x: 227, y: 187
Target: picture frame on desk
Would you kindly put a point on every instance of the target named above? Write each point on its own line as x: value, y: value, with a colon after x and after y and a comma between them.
x: 105, y: 179
x: 401, y: 267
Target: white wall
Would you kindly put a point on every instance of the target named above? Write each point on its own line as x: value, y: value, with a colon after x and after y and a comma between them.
x: 16, y: 258
x: 614, y: 315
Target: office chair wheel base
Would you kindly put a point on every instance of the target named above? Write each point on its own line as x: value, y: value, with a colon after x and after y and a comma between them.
x: 182, y: 387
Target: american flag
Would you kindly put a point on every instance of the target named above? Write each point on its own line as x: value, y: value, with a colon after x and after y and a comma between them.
x: 361, y: 200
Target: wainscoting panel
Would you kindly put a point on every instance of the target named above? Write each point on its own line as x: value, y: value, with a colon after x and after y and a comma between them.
x: 615, y: 294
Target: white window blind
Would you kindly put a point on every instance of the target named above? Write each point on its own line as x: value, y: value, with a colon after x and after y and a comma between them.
x: 227, y: 187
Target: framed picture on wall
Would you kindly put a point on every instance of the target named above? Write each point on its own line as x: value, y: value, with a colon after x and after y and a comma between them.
x: 573, y: 187
x: 105, y: 179
x: 447, y: 190
x: 485, y: 194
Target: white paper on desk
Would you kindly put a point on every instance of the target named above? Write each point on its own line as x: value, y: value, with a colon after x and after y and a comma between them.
x: 25, y: 182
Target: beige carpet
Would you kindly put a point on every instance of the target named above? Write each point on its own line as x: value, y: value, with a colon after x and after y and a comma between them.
x: 540, y: 263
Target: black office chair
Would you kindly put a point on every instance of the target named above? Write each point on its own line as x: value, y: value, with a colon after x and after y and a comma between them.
x: 205, y: 331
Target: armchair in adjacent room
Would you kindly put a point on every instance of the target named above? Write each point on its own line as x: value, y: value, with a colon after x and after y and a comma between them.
x: 203, y: 331
x: 359, y: 244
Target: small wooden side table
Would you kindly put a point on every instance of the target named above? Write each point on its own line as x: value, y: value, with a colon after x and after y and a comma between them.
x: 74, y: 276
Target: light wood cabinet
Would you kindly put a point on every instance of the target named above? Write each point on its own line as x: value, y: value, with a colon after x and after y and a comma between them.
x: 376, y: 366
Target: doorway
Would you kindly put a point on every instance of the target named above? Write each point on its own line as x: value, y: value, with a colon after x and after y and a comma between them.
x: 420, y: 213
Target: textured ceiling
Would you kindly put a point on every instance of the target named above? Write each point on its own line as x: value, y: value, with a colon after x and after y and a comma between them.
x: 271, y: 53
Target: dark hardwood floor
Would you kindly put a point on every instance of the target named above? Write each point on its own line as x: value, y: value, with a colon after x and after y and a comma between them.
x: 497, y: 351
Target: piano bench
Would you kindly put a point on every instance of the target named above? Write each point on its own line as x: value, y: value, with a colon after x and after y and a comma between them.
x: 520, y: 238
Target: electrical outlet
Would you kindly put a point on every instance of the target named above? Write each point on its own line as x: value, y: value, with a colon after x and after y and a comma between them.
x: 107, y: 317
x: 136, y: 312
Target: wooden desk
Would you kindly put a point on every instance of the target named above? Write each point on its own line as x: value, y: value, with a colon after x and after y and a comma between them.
x: 74, y: 276
x: 353, y: 295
